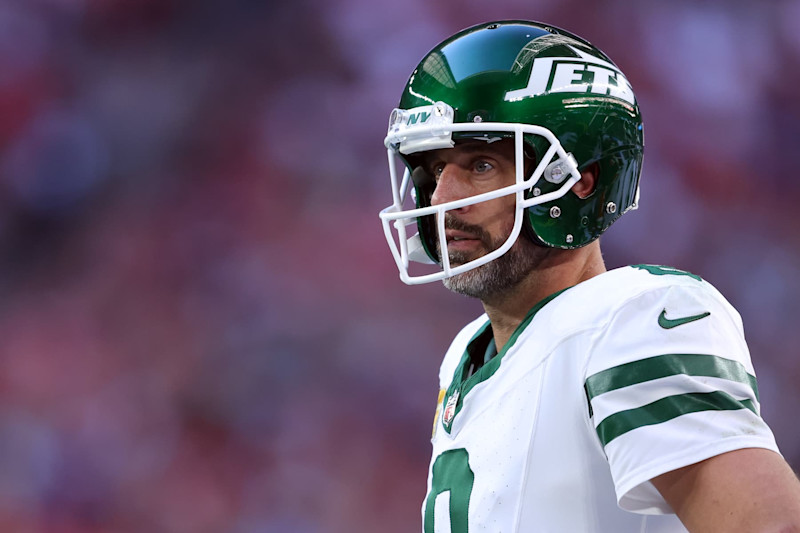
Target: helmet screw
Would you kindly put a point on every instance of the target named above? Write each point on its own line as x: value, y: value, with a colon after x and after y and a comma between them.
x: 477, y: 118
x: 611, y: 207
x: 537, y: 191
x: 555, y: 212
x: 569, y: 239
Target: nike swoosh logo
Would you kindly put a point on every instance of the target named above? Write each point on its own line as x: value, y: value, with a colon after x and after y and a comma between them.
x: 669, y: 323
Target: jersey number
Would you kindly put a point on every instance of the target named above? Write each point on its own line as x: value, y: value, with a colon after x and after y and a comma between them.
x: 451, y: 473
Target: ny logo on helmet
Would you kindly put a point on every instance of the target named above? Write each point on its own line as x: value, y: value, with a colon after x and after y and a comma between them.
x: 421, y: 117
x: 583, y: 74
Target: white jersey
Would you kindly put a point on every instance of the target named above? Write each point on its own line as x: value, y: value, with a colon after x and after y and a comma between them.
x: 608, y: 384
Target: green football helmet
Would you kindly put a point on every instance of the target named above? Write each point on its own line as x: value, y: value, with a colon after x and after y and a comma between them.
x: 566, y: 105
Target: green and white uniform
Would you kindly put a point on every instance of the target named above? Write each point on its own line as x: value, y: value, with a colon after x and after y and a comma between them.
x: 631, y: 374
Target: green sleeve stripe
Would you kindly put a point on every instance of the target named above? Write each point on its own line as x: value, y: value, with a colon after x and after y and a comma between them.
x: 662, y: 366
x: 666, y: 409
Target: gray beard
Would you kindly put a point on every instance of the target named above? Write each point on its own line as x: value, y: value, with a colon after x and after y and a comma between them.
x: 498, y: 277
x: 495, y: 278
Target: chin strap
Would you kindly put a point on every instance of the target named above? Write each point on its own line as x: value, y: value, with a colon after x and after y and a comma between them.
x: 416, y: 251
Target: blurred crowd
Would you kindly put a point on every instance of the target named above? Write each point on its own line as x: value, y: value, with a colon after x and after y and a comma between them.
x: 201, y: 328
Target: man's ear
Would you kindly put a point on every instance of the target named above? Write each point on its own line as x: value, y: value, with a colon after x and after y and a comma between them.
x: 588, y: 181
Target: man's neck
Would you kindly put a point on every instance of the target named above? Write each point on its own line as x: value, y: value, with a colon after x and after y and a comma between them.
x: 563, y: 269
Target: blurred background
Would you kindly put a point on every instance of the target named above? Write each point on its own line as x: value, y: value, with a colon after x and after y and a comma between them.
x: 201, y: 327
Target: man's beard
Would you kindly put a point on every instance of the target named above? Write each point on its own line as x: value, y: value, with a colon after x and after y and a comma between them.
x: 496, y: 277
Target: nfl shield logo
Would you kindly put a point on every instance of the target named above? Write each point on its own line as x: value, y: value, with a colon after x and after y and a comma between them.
x: 450, y: 409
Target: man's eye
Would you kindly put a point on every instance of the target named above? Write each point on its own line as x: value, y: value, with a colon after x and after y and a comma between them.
x: 437, y: 169
x: 482, y: 166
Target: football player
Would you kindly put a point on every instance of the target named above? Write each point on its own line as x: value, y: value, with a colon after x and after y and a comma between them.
x: 583, y: 399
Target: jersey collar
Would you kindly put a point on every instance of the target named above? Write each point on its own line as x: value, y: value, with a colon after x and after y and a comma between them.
x: 462, y: 382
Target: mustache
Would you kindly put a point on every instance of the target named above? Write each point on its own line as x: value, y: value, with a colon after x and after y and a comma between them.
x: 453, y: 223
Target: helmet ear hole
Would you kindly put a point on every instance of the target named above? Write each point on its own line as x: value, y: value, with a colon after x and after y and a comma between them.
x: 588, y: 182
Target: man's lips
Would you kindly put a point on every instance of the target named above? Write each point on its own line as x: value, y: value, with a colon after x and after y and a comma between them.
x: 459, y: 240
x: 457, y: 236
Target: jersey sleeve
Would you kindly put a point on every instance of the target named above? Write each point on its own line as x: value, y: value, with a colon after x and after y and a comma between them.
x: 670, y: 383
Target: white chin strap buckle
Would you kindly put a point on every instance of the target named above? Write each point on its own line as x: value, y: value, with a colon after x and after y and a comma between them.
x: 416, y: 251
